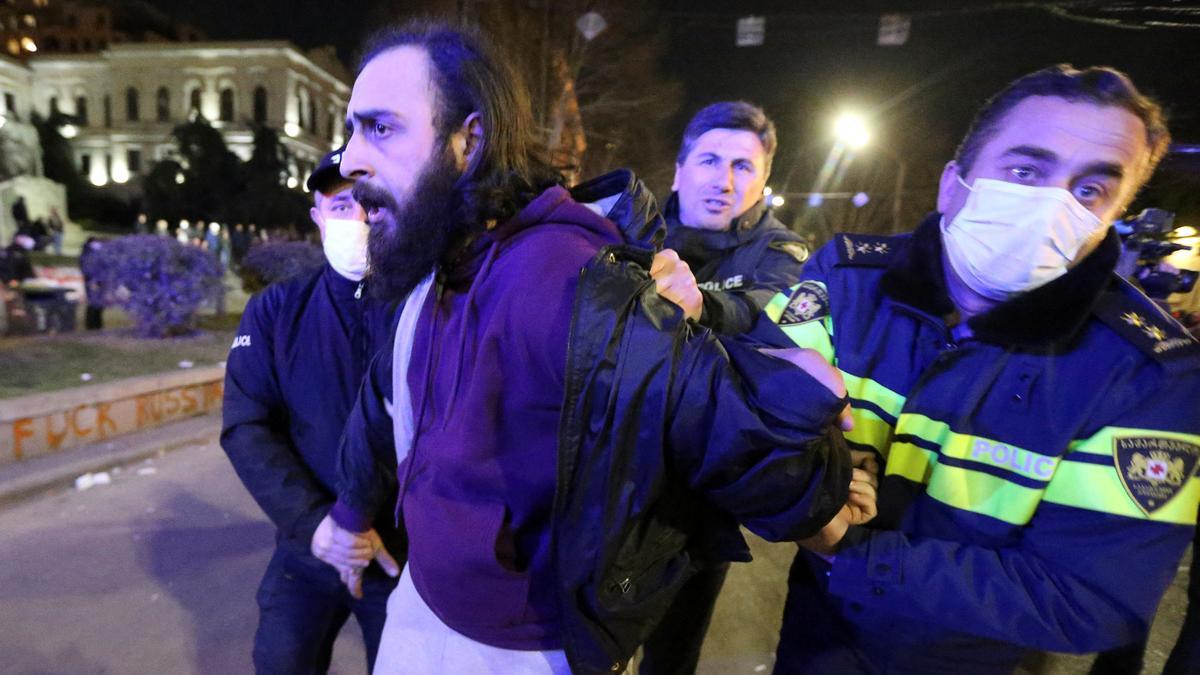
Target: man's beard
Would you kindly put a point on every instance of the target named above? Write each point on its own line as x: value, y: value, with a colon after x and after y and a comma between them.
x: 404, y: 245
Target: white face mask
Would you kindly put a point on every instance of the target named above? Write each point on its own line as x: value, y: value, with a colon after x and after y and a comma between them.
x: 345, y: 245
x: 1010, y: 238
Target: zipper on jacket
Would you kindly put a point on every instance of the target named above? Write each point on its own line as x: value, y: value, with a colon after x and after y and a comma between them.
x: 358, y: 291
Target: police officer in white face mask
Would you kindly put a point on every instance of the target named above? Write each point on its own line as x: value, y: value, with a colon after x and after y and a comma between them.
x: 340, y: 219
x: 1036, y: 417
x: 293, y: 371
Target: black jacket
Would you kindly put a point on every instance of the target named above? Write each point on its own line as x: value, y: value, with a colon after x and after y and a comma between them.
x: 291, y: 379
x: 669, y: 438
x: 740, y: 269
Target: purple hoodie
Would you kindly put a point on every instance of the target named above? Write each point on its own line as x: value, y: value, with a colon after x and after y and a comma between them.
x: 487, y: 380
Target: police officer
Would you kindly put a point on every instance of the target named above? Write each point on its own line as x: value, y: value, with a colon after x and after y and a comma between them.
x: 292, y: 376
x: 719, y: 223
x: 1039, y: 416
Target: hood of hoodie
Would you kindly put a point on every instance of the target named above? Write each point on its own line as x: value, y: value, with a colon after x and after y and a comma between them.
x: 554, y: 208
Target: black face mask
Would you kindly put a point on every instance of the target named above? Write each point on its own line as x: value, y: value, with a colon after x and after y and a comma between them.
x: 404, y: 245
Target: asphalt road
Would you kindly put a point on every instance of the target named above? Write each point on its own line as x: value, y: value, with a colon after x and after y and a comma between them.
x: 156, y: 572
x: 153, y: 573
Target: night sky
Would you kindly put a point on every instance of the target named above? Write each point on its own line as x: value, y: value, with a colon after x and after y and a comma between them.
x: 821, y: 56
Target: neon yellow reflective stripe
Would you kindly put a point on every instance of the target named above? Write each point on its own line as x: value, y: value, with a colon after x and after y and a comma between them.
x: 911, y: 462
x: 1006, y: 456
x: 923, y: 427
x: 984, y: 493
x: 1098, y: 487
x: 1101, y: 443
x: 966, y: 488
x: 775, y: 307
x: 869, y: 390
x: 870, y: 430
x: 810, y: 334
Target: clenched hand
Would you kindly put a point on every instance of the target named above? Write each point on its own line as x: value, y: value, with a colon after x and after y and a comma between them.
x: 351, y: 552
x: 674, y: 281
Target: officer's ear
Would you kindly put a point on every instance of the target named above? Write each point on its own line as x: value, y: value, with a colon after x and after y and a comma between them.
x: 675, y: 180
x: 949, y: 189
x: 318, y: 220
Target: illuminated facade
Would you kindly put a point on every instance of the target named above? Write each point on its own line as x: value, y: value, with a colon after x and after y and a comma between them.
x: 126, y: 100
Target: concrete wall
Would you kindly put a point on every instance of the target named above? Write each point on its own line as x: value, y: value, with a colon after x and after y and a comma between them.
x: 41, y: 424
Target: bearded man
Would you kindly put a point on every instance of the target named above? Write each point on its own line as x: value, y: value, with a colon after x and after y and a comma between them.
x: 564, y: 442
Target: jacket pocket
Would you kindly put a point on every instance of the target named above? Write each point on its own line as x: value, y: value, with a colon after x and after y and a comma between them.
x: 647, y: 586
x: 457, y: 548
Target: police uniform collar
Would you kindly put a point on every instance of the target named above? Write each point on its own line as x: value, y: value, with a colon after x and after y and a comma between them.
x: 1044, y: 317
x: 751, y: 218
x: 741, y: 230
x: 340, y: 285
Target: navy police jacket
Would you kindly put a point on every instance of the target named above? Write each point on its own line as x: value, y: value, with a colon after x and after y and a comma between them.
x: 1040, y: 477
x: 740, y: 269
x: 291, y: 379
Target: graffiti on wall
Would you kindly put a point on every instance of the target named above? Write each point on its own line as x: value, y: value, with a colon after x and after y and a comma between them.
x: 33, y: 436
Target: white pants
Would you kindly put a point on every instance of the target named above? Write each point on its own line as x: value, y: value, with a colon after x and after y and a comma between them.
x: 416, y: 641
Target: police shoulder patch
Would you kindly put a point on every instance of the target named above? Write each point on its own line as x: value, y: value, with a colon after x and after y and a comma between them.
x: 864, y: 249
x: 1154, y: 469
x: 796, y: 249
x: 1141, y: 322
x: 809, y: 300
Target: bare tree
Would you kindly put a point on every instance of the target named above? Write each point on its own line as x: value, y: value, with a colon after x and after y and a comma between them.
x: 602, y: 103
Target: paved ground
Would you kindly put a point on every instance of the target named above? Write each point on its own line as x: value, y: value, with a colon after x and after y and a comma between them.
x: 156, y: 572
x: 153, y: 573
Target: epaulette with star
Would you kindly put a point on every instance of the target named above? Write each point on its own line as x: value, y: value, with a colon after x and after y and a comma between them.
x: 1147, y: 326
x: 864, y: 249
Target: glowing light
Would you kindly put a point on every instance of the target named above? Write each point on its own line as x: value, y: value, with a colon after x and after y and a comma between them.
x: 291, y: 129
x: 777, y: 201
x: 816, y: 199
x: 767, y: 191
x: 860, y: 199
x: 69, y: 131
x: 120, y: 173
x: 28, y: 44
x: 1185, y: 231
x: 179, y: 180
x: 292, y: 182
x: 851, y: 129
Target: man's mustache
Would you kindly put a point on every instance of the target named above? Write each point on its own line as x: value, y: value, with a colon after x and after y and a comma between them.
x: 372, y: 197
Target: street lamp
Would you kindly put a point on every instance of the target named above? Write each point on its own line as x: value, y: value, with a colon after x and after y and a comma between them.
x: 851, y: 130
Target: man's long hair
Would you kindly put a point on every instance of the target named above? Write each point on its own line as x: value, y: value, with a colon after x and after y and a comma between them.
x: 510, y: 169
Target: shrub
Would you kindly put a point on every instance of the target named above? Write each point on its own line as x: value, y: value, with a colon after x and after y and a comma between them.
x: 270, y: 262
x: 159, y: 282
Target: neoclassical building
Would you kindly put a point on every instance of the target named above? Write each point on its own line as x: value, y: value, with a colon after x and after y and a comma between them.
x: 127, y: 99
